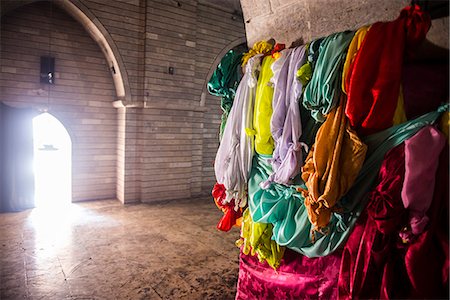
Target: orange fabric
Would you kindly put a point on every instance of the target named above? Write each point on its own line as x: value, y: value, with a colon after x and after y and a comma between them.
x: 331, y: 166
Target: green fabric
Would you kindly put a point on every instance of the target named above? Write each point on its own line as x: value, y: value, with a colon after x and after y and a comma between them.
x: 322, y: 93
x: 283, y: 206
x: 224, y: 82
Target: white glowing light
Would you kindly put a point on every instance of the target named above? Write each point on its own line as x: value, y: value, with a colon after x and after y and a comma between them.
x: 52, y: 163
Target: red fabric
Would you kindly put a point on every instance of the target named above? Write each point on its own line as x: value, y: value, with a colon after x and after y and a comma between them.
x: 368, y: 262
x: 376, y: 72
x: 376, y: 264
x: 298, y: 277
x: 277, y: 48
x: 230, y: 216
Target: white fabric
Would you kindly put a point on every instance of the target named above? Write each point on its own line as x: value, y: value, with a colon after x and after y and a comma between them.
x: 234, y: 156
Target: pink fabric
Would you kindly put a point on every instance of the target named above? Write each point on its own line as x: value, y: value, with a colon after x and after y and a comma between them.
x: 427, y: 258
x: 298, y: 277
x: 421, y: 162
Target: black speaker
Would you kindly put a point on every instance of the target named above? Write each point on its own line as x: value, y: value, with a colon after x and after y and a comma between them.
x: 47, y: 70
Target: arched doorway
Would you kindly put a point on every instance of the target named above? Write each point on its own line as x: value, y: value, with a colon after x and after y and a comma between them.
x: 52, y: 162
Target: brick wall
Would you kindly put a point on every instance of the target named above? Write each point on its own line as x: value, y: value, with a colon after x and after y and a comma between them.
x: 80, y: 99
x: 162, y: 145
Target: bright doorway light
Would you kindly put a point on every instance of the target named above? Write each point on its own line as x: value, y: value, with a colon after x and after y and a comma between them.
x: 52, y: 163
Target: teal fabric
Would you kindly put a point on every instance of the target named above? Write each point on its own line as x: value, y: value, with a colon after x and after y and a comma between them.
x: 224, y: 82
x: 283, y: 206
x: 322, y: 93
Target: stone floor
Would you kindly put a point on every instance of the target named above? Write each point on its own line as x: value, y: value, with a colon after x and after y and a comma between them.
x: 103, y: 250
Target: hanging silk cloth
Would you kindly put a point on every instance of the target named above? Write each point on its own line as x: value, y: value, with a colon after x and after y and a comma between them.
x: 369, y: 259
x: 233, y: 159
x: 322, y: 93
x: 353, y: 49
x: 263, y: 108
x: 376, y: 264
x: 304, y: 74
x: 417, y: 192
x: 224, y: 82
x: 331, y: 166
x: 256, y: 239
x: 377, y: 70
x: 261, y: 47
x: 286, y: 122
x: 283, y: 207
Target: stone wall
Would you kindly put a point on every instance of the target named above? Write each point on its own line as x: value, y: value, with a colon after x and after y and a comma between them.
x: 160, y: 143
x: 289, y: 20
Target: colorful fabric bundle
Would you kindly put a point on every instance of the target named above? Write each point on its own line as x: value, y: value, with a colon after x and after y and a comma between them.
x: 224, y: 82
x: 377, y: 69
x: 331, y: 167
x: 263, y: 108
x: 376, y: 263
x: 417, y: 192
x: 286, y: 122
x: 322, y: 92
x: 262, y: 47
x: 234, y: 156
x: 256, y: 239
x: 283, y: 206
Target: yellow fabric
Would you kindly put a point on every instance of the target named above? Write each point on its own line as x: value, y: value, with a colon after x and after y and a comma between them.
x: 353, y: 48
x: 256, y: 238
x: 264, y: 143
x: 399, y: 115
x: 444, y: 124
x: 261, y: 47
x: 331, y: 167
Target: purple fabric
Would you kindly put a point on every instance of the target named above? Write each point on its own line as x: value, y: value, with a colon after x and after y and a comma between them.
x: 422, y: 81
x: 421, y: 161
x: 286, y: 123
x: 298, y: 277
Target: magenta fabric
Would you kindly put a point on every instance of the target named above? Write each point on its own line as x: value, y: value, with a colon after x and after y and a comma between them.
x: 376, y: 263
x: 421, y: 161
x: 370, y: 263
x: 298, y: 277
x: 427, y: 258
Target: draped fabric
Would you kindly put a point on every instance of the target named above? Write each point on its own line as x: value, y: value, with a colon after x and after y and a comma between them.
x: 297, y: 277
x: 331, y: 167
x: 263, y: 108
x: 432, y: 84
x: 376, y: 263
x: 234, y: 155
x: 399, y: 114
x: 286, y: 122
x: 322, y: 93
x: 369, y: 262
x: 376, y: 75
x: 224, y: 82
x: 262, y: 47
x: 304, y: 74
x: 283, y: 206
x: 417, y: 192
x: 430, y: 251
x: 256, y: 239
x: 16, y: 158
x: 353, y: 49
